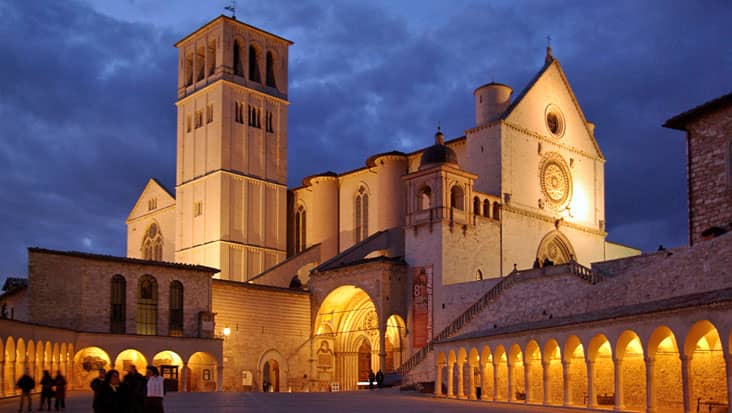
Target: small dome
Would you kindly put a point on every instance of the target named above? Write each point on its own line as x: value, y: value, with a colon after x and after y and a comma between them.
x: 438, y: 153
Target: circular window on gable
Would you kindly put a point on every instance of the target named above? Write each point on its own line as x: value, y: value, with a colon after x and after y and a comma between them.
x: 554, y: 121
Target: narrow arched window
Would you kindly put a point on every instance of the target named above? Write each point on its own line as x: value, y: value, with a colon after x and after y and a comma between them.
x: 270, y: 71
x: 211, y: 57
x: 176, y: 309
x: 300, y: 230
x: 152, y: 244
x: 147, y: 306
x: 362, y: 214
x: 478, y: 275
x: 496, y: 211
x: 456, y: 198
x: 238, y: 67
x: 486, y: 208
x: 424, y: 199
x: 254, y: 65
x: 476, y: 206
x: 117, y: 310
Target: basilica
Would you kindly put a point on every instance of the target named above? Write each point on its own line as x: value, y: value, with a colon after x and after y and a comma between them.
x: 476, y: 267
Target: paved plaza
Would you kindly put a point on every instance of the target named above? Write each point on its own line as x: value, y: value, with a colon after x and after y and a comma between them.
x: 384, y: 401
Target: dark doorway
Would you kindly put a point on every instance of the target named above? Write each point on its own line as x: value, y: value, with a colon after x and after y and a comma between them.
x: 364, y: 361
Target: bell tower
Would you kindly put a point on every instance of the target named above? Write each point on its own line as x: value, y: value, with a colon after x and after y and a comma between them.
x: 231, y: 172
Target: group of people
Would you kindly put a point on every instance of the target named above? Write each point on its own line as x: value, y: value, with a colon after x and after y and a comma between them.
x: 133, y: 394
x: 51, y: 388
x: 378, y: 378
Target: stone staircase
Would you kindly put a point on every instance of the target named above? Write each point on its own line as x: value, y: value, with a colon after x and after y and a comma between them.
x: 491, y: 295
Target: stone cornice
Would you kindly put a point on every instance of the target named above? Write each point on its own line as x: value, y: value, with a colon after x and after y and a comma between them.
x: 235, y: 244
x: 551, y: 141
x: 236, y: 175
x: 553, y: 220
x: 234, y: 86
x: 156, y: 211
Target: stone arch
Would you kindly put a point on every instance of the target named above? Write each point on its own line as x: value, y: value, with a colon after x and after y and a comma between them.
x: 476, y: 205
x: 462, y: 358
x: 424, y: 198
x: 517, y: 384
x: 202, y: 372
x: 600, y: 357
x: 554, y: 391
x: 130, y: 357
x: 473, y: 373
x: 346, y: 315
x: 9, y: 372
x: 535, y: 385
x: 486, y: 360
x: 704, y: 351
x: 451, y: 360
x: 48, y: 356
x: 457, y: 197
x: 440, y: 365
x: 170, y: 365
x: 254, y: 57
x: 496, y: 211
x: 152, y: 243
x: 273, y: 369
x: 666, y: 369
x: 237, y: 58
x: 574, y: 363
x: 19, y: 358
x: 271, y: 70
x: 486, y: 208
x: 395, y: 340
x: 86, y: 364
x: 556, y: 248
x: 300, y: 228
x: 361, y: 212
x: 630, y: 364
x: 500, y: 360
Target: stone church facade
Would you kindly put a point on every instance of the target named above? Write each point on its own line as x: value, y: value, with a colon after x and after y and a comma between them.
x: 478, y: 263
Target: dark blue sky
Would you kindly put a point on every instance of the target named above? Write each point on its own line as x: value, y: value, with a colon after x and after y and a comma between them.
x: 87, y: 92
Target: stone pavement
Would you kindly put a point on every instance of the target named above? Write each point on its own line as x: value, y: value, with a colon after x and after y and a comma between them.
x: 382, y: 401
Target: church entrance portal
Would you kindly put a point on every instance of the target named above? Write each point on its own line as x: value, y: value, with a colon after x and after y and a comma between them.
x: 271, y: 376
x: 364, y: 361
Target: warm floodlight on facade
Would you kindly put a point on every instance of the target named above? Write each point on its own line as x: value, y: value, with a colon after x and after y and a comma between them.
x: 227, y: 331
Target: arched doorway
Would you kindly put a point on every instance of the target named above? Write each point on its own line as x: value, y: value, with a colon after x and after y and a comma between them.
x: 555, y: 248
x: 345, y: 327
x: 271, y: 376
x: 87, y: 363
x: 202, y: 372
x: 364, y: 360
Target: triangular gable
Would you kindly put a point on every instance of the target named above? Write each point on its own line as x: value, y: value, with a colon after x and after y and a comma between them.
x: 153, y: 189
x: 542, y: 91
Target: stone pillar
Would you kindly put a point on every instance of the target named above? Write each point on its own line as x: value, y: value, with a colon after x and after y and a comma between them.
x: 184, y: 377
x: 545, y: 376
x: 565, y: 381
x: 450, y: 374
x: 510, y: 383
x: 619, y: 399
x: 650, y: 386
x: 2, y: 378
x: 495, y: 382
x: 438, y: 380
x: 461, y: 381
x: 382, y: 348
x: 219, y: 377
x: 527, y: 389
x: 12, y: 378
x: 591, y: 396
x: 483, y: 382
x: 686, y: 382
x: 472, y: 393
x: 728, y: 367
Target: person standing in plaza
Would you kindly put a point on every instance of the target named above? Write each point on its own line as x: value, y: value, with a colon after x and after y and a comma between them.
x: 379, y: 379
x: 60, y: 383
x: 25, y: 384
x: 46, y: 390
x: 135, y: 384
x: 96, y: 386
x: 371, y: 379
x: 155, y: 391
x: 113, y: 395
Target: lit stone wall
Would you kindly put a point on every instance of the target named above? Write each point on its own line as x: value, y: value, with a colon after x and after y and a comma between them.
x: 710, y: 175
x: 142, y: 216
x: 79, y: 286
x: 265, y: 323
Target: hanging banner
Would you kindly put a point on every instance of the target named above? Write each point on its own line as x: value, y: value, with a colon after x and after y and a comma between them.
x: 421, y: 305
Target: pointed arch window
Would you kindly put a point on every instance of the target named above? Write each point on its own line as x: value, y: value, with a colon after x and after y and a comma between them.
x: 362, y: 214
x: 117, y: 310
x: 270, y: 70
x: 300, y: 229
x: 147, y: 306
x: 176, y: 309
x: 254, y: 65
x: 238, y: 67
x: 152, y: 244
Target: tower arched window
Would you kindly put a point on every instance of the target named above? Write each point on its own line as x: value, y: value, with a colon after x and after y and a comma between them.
x: 476, y: 206
x: 362, y: 214
x: 152, y: 244
x: 486, y: 208
x: 271, y: 82
x: 300, y: 229
x: 496, y: 211
x: 176, y: 309
x: 254, y: 65
x: 424, y: 198
x: 456, y: 198
x: 117, y: 303
x: 147, y: 306
x: 238, y: 67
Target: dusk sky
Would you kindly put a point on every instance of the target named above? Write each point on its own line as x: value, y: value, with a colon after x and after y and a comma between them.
x: 87, y: 91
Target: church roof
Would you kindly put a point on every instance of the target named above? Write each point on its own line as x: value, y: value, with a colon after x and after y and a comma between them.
x: 680, y: 121
x: 224, y: 17
x: 13, y: 283
x: 390, y: 241
x: 126, y: 260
